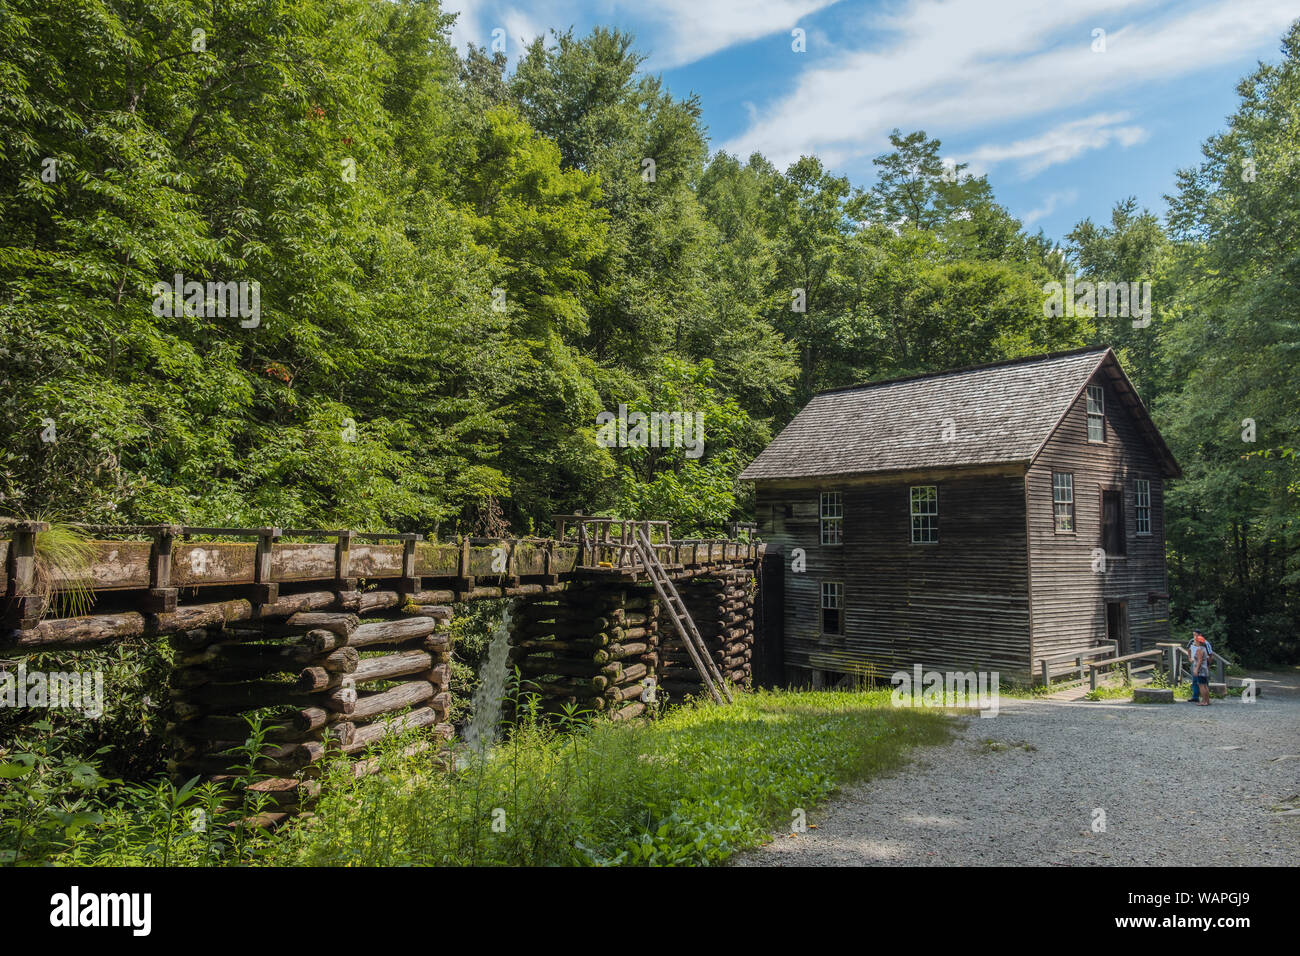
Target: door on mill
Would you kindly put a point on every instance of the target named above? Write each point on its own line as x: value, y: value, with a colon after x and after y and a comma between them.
x: 1117, y: 626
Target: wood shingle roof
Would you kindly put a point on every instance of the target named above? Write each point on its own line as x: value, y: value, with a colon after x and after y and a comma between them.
x: 996, y: 414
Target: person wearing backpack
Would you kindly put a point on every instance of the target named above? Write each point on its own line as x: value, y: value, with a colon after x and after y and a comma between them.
x: 1191, y: 655
x: 1201, y: 669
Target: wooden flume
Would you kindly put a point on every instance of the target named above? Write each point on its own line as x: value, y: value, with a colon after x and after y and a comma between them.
x: 325, y: 682
x: 338, y: 643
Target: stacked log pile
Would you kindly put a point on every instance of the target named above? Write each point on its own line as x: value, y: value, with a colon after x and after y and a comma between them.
x: 323, y: 682
x: 723, y: 610
x: 593, y: 646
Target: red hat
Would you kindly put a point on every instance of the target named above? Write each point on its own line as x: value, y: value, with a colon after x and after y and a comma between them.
x: 1200, y: 638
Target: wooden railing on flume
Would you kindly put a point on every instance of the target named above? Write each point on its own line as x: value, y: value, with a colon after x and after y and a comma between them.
x: 610, y: 544
x: 148, y: 566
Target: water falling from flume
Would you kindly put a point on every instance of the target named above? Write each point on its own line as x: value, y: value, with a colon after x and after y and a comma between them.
x: 488, y: 696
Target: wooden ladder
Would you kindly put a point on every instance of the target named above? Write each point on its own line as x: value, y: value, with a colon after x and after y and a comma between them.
x: 681, y: 619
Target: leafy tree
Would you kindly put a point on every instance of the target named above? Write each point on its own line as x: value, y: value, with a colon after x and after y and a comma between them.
x: 752, y: 360
x: 694, y: 488
x: 227, y: 160
x: 1134, y: 249
x: 648, y: 150
x: 1233, y: 531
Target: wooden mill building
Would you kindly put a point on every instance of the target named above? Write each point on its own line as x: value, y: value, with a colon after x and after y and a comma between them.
x: 978, y: 519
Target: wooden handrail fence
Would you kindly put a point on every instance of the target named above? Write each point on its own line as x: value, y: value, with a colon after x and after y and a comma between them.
x: 1127, y: 660
x: 1078, y: 657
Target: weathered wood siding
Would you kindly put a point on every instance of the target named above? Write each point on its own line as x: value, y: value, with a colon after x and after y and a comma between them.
x: 961, y: 604
x: 1069, y: 598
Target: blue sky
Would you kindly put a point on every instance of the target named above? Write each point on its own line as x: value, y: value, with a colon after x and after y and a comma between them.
x: 1020, y: 90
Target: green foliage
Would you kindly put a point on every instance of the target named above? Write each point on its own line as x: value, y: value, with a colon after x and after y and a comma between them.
x: 45, y: 797
x: 458, y: 270
x: 690, y: 789
x: 438, y: 332
x: 1232, y: 355
x: 1217, y: 364
x: 55, y: 807
x: 697, y: 494
x: 127, y: 739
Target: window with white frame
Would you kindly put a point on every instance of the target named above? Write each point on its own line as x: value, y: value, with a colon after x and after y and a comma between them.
x: 832, y: 607
x: 1063, y: 500
x: 925, y: 514
x: 1096, y: 413
x: 832, y: 515
x: 1142, y: 506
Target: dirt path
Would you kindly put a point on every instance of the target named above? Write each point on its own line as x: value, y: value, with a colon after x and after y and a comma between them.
x: 1177, y: 784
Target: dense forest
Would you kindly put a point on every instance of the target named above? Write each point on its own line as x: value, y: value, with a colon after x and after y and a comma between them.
x: 459, y: 266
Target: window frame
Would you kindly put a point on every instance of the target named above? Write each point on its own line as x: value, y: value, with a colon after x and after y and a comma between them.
x: 1099, y: 415
x: 827, y: 521
x: 836, y: 594
x: 1142, y: 512
x: 1056, y: 515
x: 929, y: 519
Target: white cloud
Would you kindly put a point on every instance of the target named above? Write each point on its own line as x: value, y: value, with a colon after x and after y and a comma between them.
x: 961, y: 65
x: 466, y: 29
x: 673, y: 32
x: 684, y: 31
x: 1050, y: 204
x: 520, y: 29
x: 1065, y: 142
x: 476, y: 21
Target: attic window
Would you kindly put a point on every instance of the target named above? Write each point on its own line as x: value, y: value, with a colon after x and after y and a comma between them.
x: 1096, y: 413
x: 832, y: 517
x: 925, y: 514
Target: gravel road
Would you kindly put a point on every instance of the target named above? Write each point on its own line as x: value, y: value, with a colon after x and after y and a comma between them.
x: 1178, y: 784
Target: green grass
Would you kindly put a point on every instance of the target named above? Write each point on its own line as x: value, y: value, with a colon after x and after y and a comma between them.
x: 692, y: 788
x: 66, y: 551
x: 1028, y: 691
x: 1119, y: 691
